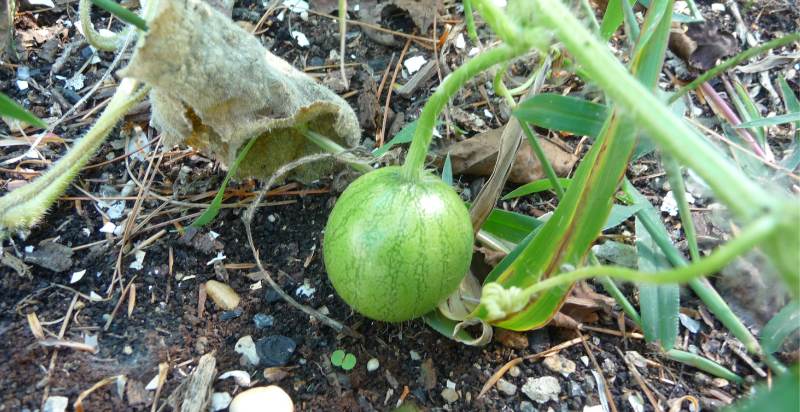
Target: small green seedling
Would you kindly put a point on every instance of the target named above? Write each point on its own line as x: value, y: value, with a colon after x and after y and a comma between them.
x: 343, y: 359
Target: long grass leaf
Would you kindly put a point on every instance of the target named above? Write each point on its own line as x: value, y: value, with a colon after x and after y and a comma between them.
x: 704, y: 364
x: 771, y: 121
x: 10, y: 108
x: 213, y: 208
x: 780, y: 327
x: 659, y: 304
x: 563, y: 113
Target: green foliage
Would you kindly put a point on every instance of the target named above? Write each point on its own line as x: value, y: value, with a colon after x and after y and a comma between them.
x: 122, y: 13
x: 213, y: 208
x: 11, y: 109
x: 659, y: 304
x: 782, y: 396
x: 447, y: 171
x: 771, y: 121
x: 535, y: 187
x: 564, y: 113
x: 780, y: 327
x: 342, y: 359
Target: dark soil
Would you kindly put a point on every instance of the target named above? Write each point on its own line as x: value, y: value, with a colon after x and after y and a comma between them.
x: 166, y: 324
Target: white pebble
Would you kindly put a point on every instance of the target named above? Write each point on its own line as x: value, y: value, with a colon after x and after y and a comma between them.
x: 373, y: 365
x: 257, y: 399
x: 219, y: 401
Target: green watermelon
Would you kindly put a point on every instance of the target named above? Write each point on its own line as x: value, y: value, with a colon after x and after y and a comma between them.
x: 395, y: 248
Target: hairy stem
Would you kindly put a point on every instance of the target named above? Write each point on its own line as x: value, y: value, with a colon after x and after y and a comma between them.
x: 423, y: 135
x: 756, y: 232
x: 746, y: 198
x: 25, y: 206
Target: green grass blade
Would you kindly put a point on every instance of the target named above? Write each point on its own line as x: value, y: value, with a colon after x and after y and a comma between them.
x: 780, y: 327
x: 10, y: 108
x: 563, y: 113
x: 405, y: 135
x: 781, y: 396
x: 675, y: 177
x: 771, y: 121
x: 612, y: 18
x: 659, y: 304
x: 510, y: 226
x: 790, y: 101
x: 748, y: 111
x: 447, y: 171
x: 213, y: 208
x: 535, y: 187
x: 704, y: 364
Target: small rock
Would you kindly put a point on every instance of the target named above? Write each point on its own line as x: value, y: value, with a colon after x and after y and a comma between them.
x: 718, y: 7
x: 542, y: 389
x: 51, y: 255
x: 514, y: 371
x: 575, y: 390
x: 275, y: 350
x: 720, y: 382
x: 230, y: 314
x: 219, y: 401
x: 201, y: 345
x: 609, y: 367
x: 273, y: 375
x: 247, y: 348
x: 595, y: 408
x: 223, y: 295
x: 373, y: 365
x: 271, y: 296
x: 506, y: 387
x: 415, y: 356
x: 449, y: 395
x: 262, y: 320
x: 585, y: 360
x: 127, y: 350
x: 559, y: 364
x: 55, y: 404
x: 257, y: 399
x: 526, y: 406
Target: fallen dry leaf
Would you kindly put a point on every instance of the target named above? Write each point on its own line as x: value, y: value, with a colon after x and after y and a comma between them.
x: 476, y: 156
x: 702, y: 45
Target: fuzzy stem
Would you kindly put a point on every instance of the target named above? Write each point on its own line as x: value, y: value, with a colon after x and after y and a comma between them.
x: 746, y: 198
x: 761, y: 229
x: 415, y: 161
x: 470, y: 21
x: 99, y: 41
x: 26, y: 205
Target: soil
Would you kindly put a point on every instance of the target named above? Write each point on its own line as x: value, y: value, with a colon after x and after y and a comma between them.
x: 168, y: 324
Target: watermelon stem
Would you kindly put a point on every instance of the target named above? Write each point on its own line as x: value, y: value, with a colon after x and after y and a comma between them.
x: 415, y: 161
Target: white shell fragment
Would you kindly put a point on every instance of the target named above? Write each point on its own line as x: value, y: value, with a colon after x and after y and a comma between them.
x: 223, y: 295
x: 242, y: 378
x: 262, y: 398
x: 76, y: 276
x: 415, y: 63
x: 300, y: 38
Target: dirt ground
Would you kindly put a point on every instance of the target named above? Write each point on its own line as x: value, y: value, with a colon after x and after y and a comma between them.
x: 167, y: 323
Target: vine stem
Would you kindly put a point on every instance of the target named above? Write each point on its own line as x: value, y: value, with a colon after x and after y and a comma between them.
x: 761, y: 229
x: 26, y: 205
x: 415, y: 161
x: 746, y: 198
